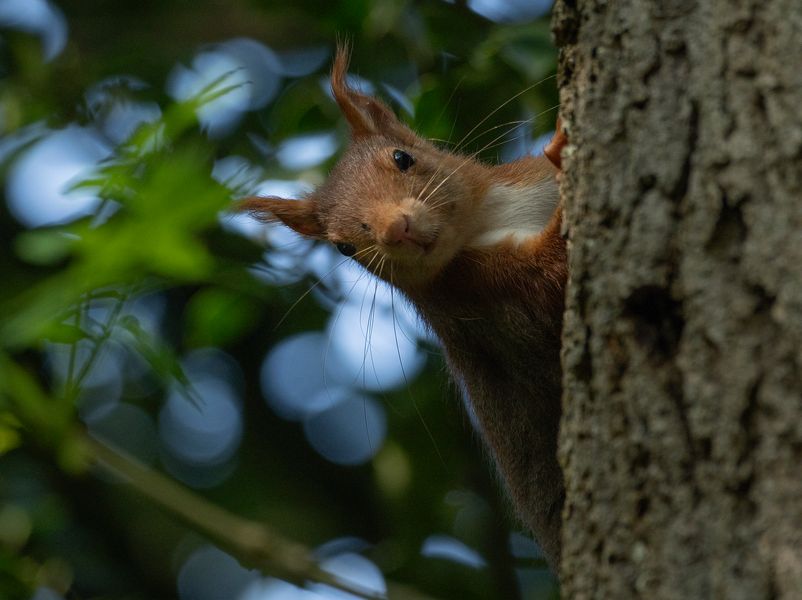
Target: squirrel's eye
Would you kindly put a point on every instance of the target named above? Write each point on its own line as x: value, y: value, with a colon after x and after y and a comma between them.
x: 402, y: 160
x: 346, y: 249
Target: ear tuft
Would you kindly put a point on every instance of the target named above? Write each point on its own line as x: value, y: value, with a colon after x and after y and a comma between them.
x: 299, y: 215
x: 365, y: 114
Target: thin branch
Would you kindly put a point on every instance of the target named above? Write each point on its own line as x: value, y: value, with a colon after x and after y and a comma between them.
x: 255, y: 545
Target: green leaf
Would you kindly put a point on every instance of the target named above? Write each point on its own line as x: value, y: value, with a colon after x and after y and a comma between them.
x: 23, y: 397
x: 9, y: 432
x: 62, y: 333
x: 216, y: 317
x: 45, y: 247
x: 25, y: 318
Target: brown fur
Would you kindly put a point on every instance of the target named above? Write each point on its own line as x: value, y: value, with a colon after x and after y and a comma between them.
x: 498, y: 314
x: 497, y: 309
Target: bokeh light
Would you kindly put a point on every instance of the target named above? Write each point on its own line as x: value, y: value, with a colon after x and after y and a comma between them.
x: 348, y: 566
x: 249, y: 68
x: 343, y: 280
x: 292, y: 374
x: 350, y: 431
x: 449, y: 548
x: 260, y: 64
x: 203, y: 427
x: 211, y: 574
x: 510, y: 11
x: 368, y: 349
x: 344, y: 426
x: 200, y: 426
x: 276, y: 589
x: 38, y: 17
x: 37, y: 185
x: 352, y: 282
x: 352, y: 568
x: 116, y: 113
x: 305, y: 151
x: 221, y: 115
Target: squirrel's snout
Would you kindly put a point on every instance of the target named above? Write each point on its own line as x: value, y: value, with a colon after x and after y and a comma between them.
x: 398, y: 230
x: 402, y: 231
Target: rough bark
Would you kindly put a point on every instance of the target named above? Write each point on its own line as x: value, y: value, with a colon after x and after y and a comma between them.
x: 681, y: 439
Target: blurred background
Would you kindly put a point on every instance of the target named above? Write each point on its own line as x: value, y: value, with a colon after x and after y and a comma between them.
x: 264, y: 372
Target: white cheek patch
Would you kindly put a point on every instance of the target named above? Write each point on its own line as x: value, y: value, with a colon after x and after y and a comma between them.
x: 516, y: 212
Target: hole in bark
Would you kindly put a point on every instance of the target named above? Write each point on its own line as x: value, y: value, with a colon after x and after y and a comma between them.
x: 705, y: 450
x: 728, y: 235
x: 657, y: 319
x: 760, y: 104
x: 647, y: 181
x: 763, y: 299
x: 584, y: 370
x: 683, y: 181
x: 748, y: 439
x: 641, y: 461
x: 642, y: 507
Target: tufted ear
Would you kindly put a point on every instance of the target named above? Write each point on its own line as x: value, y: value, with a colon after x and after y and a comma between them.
x: 365, y: 114
x: 299, y: 215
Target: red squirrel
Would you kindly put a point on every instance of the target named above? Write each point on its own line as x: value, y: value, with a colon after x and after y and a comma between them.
x: 478, y: 251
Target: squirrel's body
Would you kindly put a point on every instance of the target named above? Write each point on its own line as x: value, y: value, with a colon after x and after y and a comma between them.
x: 478, y: 251
x: 498, y: 314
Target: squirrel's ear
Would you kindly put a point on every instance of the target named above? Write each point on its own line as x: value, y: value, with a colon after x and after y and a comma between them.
x: 554, y: 148
x: 299, y: 215
x: 365, y: 114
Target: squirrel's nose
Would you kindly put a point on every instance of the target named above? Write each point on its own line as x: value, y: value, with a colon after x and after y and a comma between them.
x: 402, y: 232
x: 398, y: 230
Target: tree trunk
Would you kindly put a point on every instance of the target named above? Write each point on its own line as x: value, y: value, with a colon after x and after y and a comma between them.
x: 681, y: 438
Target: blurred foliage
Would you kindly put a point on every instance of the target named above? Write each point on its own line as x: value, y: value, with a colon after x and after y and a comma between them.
x: 72, y: 292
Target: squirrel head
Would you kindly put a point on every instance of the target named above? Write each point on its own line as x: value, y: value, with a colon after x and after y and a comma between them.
x: 394, y: 202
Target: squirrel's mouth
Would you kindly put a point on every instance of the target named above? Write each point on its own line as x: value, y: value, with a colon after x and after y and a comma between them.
x: 425, y: 241
x: 424, y: 245
x: 412, y: 249
x: 428, y: 246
